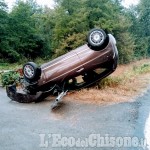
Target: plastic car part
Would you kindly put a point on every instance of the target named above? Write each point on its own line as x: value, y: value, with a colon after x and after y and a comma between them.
x: 21, y: 97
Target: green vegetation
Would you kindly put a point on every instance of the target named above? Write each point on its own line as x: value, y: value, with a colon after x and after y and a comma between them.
x: 109, y: 82
x: 32, y: 33
x: 29, y: 31
x: 125, y: 77
x: 7, y: 66
x: 9, y: 78
x: 145, y: 68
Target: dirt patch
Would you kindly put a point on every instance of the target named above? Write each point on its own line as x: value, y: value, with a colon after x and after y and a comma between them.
x: 133, y: 86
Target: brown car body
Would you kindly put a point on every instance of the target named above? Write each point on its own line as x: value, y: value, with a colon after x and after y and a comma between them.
x: 76, y: 62
x: 61, y: 74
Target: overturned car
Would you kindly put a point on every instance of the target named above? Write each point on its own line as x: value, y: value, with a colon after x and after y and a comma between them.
x: 77, y: 69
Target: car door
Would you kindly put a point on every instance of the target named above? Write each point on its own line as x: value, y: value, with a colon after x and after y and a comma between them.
x: 65, y: 66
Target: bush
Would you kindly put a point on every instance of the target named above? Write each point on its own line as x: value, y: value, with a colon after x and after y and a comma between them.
x: 10, y: 77
x: 109, y: 82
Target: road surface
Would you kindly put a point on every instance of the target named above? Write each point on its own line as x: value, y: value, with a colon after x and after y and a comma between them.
x: 74, y: 125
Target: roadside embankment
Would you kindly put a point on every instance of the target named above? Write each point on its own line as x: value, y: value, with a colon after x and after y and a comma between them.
x: 126, y: 83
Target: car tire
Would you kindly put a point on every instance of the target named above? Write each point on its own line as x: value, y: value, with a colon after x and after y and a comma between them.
x: 97, y: 39
x: 31, y: 72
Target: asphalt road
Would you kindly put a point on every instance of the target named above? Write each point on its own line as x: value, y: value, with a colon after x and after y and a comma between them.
x: 74, y: 125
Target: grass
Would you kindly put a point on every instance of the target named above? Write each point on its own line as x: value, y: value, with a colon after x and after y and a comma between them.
x: 14, y: 66
x: 124, y: 84
x: 109, y: 82
x: 145, y: 68
x: 125, y: 77
x: 6, y: 66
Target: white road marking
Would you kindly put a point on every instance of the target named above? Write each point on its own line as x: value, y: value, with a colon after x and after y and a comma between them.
x: 147, y: 132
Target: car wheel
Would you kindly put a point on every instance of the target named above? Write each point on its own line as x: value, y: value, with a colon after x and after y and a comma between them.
x: 31, y: 72
x: 97, y: 39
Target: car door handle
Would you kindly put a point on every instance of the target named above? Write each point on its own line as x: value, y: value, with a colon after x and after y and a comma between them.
x: 79, y: 70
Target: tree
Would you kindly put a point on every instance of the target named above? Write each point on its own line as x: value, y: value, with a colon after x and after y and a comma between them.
x: 140, y: 16
x: 68, y: 25
x: 144, y: 22
x: 30, y: 31
x: 73, y: 23
x: 3, y: 30
x: 24, y: 39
